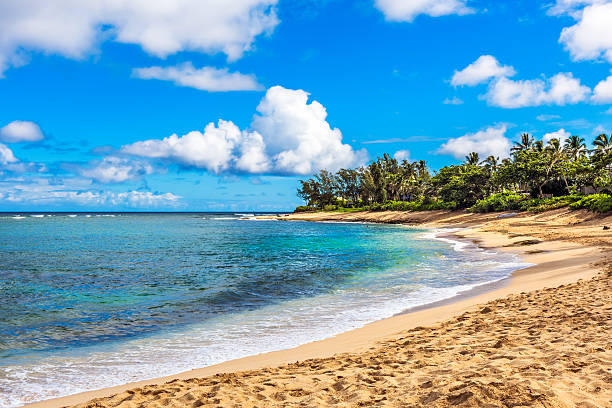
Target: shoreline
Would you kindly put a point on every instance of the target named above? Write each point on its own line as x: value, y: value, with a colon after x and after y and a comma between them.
x: 555, y: 262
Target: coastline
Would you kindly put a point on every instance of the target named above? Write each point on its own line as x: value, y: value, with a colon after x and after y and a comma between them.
x: 563, y: 256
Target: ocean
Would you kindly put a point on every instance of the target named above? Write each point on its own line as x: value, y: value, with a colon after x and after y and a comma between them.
x: 95, y: 300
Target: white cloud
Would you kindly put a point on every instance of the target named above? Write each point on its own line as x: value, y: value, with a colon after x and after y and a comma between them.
x: 565, y: 89
x: 602, y: 93
x: 561, y: 89
x: 591, y: 37
x: 21, y: 131
x: 287, y: 136
x: 560, y: 134
x: 453, y: 101
x: 39, y: 191
x: 143, y: 199
x: 401, y: 155
x: 213, y: 150
x: 116, y: 170
x: 252, y: 156
x: 545, y: 117
x: 571, y: 7
x: 489, y: 142
x: 6, y: 155
x: 480, y: 71
x: 403, y: 10
x: 73, y: 28
x: 205, y: 78
x: 11, y: 164
x: 298, y: 137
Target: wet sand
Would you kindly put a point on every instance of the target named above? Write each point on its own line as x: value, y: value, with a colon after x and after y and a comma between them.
x: 542, y: 339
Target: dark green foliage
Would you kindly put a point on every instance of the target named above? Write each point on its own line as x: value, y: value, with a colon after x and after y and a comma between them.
x: 536, y: 177
x: 463, y: 185
x: 546, y: 204
x: 510, y: 201
x: 499, y: 202
x: 597, y: 202
x: 419, y: 205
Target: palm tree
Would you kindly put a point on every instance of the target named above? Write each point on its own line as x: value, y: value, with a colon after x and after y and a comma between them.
x: 491, y: 163
x: 526, y: 143
x: 407, y: 180
x: 603, y: 143
x: 472, y: 159
x: 538, y: 146
x: 421, y: 169
x: 422, y: 175
x: 575, y: 147
x: 557, y: 154
x: 554, y: 148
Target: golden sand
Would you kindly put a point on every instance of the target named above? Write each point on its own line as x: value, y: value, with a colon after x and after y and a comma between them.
x: 543, y: 340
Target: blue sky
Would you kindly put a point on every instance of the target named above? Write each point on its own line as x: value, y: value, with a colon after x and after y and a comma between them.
x: 92, y: 93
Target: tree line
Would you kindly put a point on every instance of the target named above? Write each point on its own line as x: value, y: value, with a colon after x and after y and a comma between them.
x: 534, y: 169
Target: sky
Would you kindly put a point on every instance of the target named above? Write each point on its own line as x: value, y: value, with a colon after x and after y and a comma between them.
x: 224, y: 105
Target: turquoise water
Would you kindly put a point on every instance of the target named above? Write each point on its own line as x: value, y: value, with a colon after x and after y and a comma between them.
x: 94, y: 300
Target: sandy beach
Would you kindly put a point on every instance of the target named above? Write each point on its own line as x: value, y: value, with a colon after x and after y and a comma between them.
x: 542, y: 338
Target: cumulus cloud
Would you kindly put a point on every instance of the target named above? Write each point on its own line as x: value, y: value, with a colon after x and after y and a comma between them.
x: 11, y: 164
x: 480, y: 71
x: 116, y: 170
x: 73, y: 28
x: 402, y: 10
x: 21, y: 131
x: 560, y: 134
x: 6, y: 155
x: 402, y: 155
x: 561, y: 89
x: 213, y: 150
x: 602, y: 93
x: 205, y: 78
x: 288, y: 135
x: 298, y: 137
x: 591, y: 37
x: 489, y: 142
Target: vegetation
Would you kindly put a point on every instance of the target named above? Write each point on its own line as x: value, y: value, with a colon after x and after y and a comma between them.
x: 596, y: 202
x: 536, y: 177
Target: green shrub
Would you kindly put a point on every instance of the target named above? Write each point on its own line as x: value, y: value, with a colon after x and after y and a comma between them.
x: 518, y: 202
x: 330, y: 207
x: 418, y: 205
x: 596, y: 202
x: 349, y: 209
x: 499, y: 202
x: 508, y: 201
x: 546, y: 204
x: 437, y: 205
